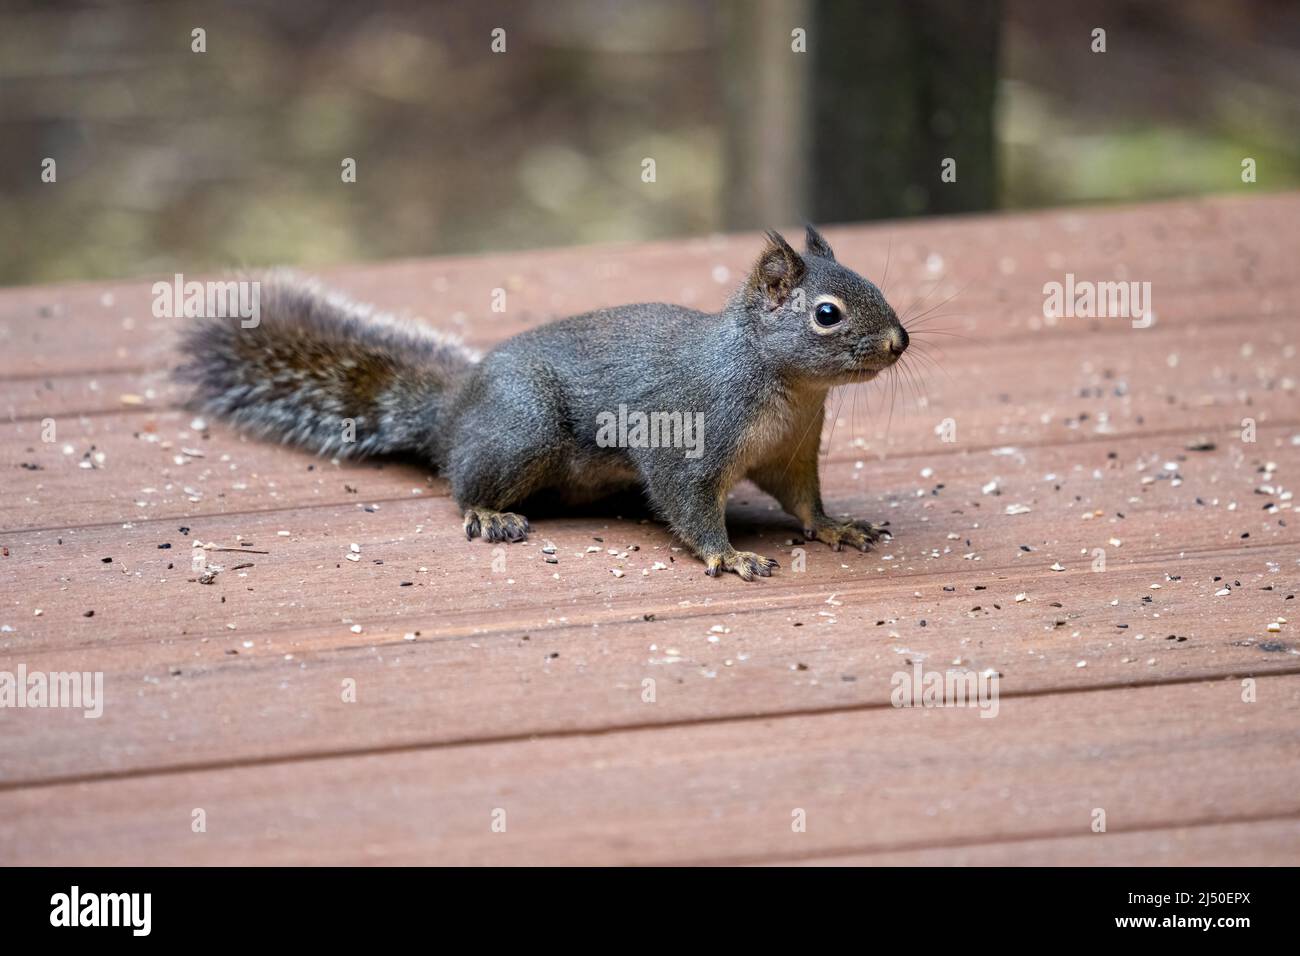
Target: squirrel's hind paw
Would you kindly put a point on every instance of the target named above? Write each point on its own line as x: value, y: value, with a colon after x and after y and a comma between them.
x: 745, y: 563
x: 495, y: 525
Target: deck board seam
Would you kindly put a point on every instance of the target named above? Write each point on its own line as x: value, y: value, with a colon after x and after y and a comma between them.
x: 790, y: 598
x: 435, y: 494
x: 214, y: 766
x: 1009, y: 839
x: 963, y: 343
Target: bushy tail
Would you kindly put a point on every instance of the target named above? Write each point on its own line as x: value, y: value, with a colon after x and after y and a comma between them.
x: 323, y: 372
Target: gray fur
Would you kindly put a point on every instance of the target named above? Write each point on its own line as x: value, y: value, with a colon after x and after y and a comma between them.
x: 287, y: 378
x: 523, y: 420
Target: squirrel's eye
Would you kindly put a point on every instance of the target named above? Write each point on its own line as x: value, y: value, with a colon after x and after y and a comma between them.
x: 828, y: 314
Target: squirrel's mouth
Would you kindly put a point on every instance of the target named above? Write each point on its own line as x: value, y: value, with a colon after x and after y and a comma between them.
x: 857, y: 375
x: 875, y: 364
x: 857, y: 369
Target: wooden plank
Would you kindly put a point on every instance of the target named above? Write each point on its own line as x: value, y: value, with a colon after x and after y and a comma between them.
x: 132, y: 598
x: 869, y: 781
x: 1000, y: 263
x: 1261, y: 843
x: 959, y: 536
x: 144, y: 465
x: 148, y: 468
x: 274, y: 688
x: 1238, y: 364
x: 527, y: 681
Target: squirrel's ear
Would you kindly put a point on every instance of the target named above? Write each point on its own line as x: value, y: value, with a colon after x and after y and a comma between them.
x: 815, y: 244
x: 778, y: 272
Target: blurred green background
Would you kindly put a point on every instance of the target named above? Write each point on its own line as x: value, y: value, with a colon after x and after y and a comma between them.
x: 170, y: 160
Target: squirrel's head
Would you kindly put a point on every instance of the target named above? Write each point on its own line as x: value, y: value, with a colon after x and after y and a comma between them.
x: 816, y: 320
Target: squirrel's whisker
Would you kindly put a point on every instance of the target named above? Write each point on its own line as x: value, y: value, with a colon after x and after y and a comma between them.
x: 923, y: 355
x: 925, y: 347
x: 925, y: 323
x: 884, y: 281
x: 939, y: 305
x: 893, y: 398
x: 913, y: 333
x: 914, y: 383
x: 799, y: 444
x: 916, y: 303
x: 929, y: 361
x: 835, y: 420
x: 850, y: 394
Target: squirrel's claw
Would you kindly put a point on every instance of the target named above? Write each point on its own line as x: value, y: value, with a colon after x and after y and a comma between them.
x: 860, y: 535
x: 495, y: 526
x: 747, y: 564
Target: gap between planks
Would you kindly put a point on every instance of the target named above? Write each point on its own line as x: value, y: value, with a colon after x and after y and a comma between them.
x: 437, y: 492
x: 814, y: 856
x: 590, y: 732
x: 773, y: 596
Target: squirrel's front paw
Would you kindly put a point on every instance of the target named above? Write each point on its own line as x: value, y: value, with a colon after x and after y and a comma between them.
x: 495, y: 525
x: 839, y: 533
x: 745, y: 563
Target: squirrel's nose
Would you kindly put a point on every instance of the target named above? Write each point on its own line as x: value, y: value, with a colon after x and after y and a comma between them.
x: 898, y: 341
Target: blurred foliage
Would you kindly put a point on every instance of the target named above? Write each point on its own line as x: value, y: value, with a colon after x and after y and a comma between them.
x: 170, y: 160
x: 1184, y: 92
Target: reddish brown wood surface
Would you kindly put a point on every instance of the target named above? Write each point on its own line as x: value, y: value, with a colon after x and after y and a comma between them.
x: 520, y: 688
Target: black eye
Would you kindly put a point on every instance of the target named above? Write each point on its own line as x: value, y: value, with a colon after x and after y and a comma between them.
x: 828, y: 314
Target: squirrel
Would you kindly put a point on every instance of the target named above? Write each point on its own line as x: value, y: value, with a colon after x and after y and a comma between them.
x: 535, y: 414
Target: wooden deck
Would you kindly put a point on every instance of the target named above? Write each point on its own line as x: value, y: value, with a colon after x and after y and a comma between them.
x: 522, y: 688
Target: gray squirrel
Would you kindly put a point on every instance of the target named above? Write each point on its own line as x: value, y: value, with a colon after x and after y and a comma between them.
x: 532, y: 415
